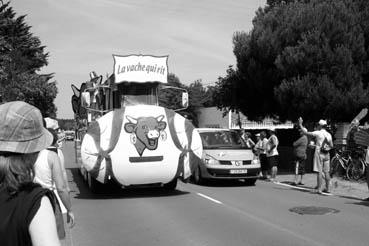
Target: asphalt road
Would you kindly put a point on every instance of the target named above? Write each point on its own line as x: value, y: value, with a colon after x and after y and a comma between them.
x: 213, y: 214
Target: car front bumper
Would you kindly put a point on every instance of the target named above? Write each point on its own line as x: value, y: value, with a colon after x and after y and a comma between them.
x: 218, y: 173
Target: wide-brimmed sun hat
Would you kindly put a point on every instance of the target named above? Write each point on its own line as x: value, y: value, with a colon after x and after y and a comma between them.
x: 21, y: 128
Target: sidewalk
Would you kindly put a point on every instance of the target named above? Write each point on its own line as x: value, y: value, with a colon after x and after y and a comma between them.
x: 339, y: 187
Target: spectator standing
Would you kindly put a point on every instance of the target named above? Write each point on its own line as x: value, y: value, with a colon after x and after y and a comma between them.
x: 53, y: 126
x: 260, y: 148
x: 57, y: 149
x: 246, y: 136
x: 26, y: 209
x: 49, y: 174
x: 300, y: 146
x: 272, y: 154
x: 321, y: 161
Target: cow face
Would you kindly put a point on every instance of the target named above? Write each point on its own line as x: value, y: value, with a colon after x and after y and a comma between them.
x: 145, y: 131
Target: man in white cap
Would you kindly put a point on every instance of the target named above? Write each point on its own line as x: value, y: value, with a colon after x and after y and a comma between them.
x: 321, y: 161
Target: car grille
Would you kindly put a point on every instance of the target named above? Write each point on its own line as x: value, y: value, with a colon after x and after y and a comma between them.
x: 229, y: 163
x: 225, y: 173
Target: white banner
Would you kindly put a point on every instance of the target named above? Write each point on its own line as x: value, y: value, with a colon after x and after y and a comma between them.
x: 140, y: 68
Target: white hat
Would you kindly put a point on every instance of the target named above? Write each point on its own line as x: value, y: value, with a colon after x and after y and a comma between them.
x: 322, y: 122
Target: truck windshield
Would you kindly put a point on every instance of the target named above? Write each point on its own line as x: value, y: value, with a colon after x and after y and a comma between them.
x: 137, y: 94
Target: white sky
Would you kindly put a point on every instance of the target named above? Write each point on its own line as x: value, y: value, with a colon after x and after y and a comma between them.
x: 82, y: 35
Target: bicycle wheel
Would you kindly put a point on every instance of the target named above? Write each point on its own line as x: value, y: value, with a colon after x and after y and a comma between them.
x: 355, y: 170
x: 336, y: 167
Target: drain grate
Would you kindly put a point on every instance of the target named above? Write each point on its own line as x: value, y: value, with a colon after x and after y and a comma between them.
x: 313, y: 210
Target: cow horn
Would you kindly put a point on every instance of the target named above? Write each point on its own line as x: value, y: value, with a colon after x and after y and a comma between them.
x: 160, y: 118
x: 131, y: 119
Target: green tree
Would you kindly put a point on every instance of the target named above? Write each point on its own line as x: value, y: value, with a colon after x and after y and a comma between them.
x: 304, y: 58
x: 66, y: 124
x: 170, y: 98
x: 199, y: 96
x: 21, y: 57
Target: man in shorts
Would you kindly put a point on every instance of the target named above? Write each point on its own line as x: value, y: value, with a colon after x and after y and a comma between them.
x: 323, y: 143
x: 272, y: 154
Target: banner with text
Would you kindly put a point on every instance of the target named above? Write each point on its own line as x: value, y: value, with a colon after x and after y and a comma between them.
x: 140, y: 68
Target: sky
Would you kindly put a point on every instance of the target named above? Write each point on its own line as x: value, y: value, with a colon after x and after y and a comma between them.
x: 82, y: 35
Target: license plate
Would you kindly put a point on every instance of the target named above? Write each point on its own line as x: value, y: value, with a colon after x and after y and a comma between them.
x: 238, y: 171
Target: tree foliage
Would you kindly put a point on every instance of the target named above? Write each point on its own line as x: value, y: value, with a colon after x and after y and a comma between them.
x: 67, y: 124
x: 302, y: 58
x: 21, y: 57
x: 199, y: 96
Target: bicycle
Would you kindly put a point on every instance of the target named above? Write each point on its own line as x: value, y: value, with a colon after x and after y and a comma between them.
x: 350, y: 165
x: 340, y: 163
x: 356, y: 169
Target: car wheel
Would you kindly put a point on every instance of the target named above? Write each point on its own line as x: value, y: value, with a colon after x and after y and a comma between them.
x: 250, y: 182
x: 171, y: 185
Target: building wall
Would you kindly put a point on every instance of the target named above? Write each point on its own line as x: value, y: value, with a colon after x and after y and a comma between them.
x: 213, y: 118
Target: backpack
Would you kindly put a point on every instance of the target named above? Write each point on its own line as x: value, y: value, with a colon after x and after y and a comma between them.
x: 326, y: 147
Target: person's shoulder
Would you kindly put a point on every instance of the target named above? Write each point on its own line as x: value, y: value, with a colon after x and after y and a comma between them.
x: 327, y: 133
x: 32, y: 190
x: 52, y: 156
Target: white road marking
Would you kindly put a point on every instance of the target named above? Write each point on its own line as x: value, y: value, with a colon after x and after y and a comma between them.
x: 301, y: 188
x: 266, y: 222
x: 209, y: 198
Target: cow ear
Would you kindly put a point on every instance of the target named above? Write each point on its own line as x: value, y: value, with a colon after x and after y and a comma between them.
x: 129, y: 127
x: 76, y: 91
x: 162, y: 125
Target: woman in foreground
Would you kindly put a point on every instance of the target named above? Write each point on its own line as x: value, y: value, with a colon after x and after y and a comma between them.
x: 26, y: 210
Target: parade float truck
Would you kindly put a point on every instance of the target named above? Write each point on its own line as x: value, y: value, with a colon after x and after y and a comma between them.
x: 124, y: 136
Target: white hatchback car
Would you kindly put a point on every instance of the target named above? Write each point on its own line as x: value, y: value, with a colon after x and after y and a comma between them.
x: 225, y: 156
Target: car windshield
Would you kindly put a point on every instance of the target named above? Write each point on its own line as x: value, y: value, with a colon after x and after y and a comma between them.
x: 222, y: 139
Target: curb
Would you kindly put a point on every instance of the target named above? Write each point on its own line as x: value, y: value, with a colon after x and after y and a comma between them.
x: 312, y: 190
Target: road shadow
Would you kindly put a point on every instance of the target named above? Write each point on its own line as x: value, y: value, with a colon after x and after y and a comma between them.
x: 309, y: 191
x: 360, y: 203
x: 223, y: 183
x: 112, y: 191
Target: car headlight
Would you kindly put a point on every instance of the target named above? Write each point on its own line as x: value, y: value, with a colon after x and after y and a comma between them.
x: 255, y: 161
x: 211, y: 161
